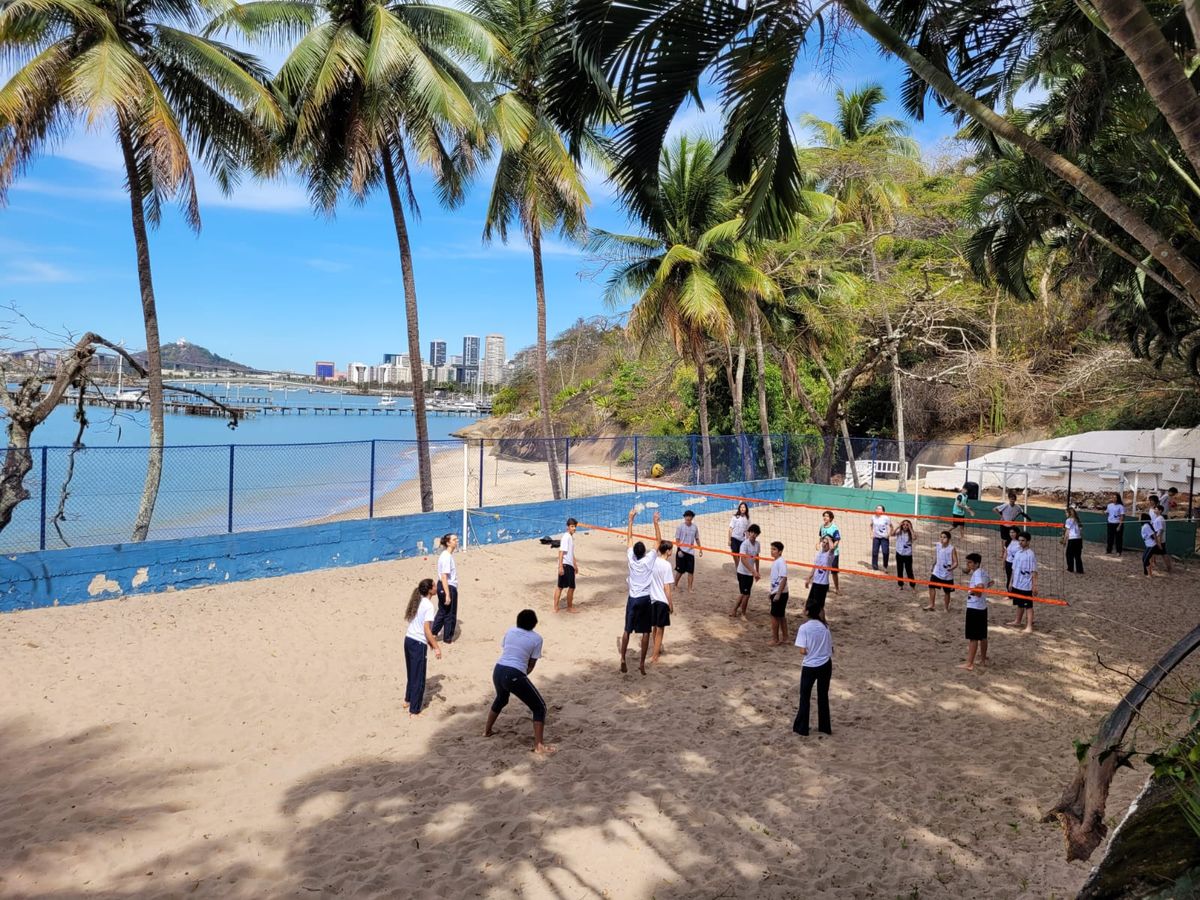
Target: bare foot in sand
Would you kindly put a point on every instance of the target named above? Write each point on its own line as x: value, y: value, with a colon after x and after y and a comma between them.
x: 928, y: 608
x: 967, y: 666
x: 545, y: 749
x: 488, y: 733
x: 774, y: 643
x: 1011, y: 624
x: 624, y: 668
x: 1028, y: 629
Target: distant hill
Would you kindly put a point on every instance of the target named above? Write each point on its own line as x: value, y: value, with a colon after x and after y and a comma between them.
x: 194, y: 358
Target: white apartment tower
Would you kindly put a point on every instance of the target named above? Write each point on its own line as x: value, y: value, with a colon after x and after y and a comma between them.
x: 493, y: 359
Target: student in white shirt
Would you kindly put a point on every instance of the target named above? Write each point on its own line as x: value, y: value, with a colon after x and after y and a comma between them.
x: 1150, y: 540
x: 1009, y: 513
x: 447, y: 590
x: 521, y: 649
x: 418, y: 638
x: 881, y: 530
x: 662, y: 580
x: 945, y: 561
x: 817, y: 581
x: 1159, y: 521
x: 637, y: 606
x: 1115, y: 518
x: 687, y: 543
x: 1010, y: 553
x: 568, y: 568
x: 1169, y: 500
x: 778, y: 595
x: 1024, y: 581
x: 977, y: 612
x: 1072, y: 539
x: 904, y: 535
x: 816, y: 643
x: 738, y: 526
x: 747, y: 571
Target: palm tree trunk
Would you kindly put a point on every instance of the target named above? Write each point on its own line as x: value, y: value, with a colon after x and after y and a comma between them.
x: 416, y: 369
x: 539, y: 285
x: 764, y: 421
x: 849, y: 451
x: 1134, y: 30
x: 702, y: 400
x: 1105, y: 200
x: 897, y: 403
x: 154, y: 379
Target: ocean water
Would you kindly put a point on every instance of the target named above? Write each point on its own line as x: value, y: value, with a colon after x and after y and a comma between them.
x: 286, y: 470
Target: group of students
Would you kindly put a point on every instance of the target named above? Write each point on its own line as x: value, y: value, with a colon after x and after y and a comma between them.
x: 1153, y: 530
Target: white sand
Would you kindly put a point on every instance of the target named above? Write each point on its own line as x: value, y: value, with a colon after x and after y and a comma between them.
x: 247, y: 741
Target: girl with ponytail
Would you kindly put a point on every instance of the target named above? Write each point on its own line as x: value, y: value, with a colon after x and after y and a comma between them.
x: 417, y: 641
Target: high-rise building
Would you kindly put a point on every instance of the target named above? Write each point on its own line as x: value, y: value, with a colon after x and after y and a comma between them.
x: 437, y: 353
x: 358, y: 373
x: 471, y: 350
x: 493, y: 359
x: 324, y: 369
x: 392, y: 358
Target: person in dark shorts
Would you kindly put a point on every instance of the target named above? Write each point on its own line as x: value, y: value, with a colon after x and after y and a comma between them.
x: 637, y: 606
x: 778, y: 595
x: 977, y: 611
x: 817, y: 581
x: 945, y: 561
x: 960, y: 510
x: 522, y: 648
x: 747, y: 571
x: 568, y: 568
x: 662, y: 580
x: 830, y: 530
x: 1024, y: 582
x: 737, y: 527
x: 687, y: 548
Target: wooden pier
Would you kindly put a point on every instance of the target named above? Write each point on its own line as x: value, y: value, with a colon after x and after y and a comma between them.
x: 188, y: 405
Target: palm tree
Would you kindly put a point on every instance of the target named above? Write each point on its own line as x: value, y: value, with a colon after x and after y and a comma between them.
x: 691, y: 277
x: 538, y: 183
x: 858, y: 159
x: 658, y: 53
x: 377, y: 89
x: 167, y: 93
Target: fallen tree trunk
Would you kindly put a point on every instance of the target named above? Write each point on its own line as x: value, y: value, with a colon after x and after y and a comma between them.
x: 1080, y: 810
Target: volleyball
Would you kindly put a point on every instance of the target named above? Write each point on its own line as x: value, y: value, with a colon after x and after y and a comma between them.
x: 656, y: 470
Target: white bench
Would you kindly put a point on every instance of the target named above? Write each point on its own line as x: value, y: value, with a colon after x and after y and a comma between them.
x: 887, y: 468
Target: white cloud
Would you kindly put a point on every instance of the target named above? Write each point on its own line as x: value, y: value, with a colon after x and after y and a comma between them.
x: 280, y: 195
x: 32, y: 271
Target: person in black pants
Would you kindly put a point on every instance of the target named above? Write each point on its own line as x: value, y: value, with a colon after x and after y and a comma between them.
x: 816, y: 643
x: 1115, y: 516
x: 1073, y: 539
x: 445, y: 623
x: 522, y: 648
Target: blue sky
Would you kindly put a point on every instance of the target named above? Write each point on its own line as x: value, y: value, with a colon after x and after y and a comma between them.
x: 269, y: 284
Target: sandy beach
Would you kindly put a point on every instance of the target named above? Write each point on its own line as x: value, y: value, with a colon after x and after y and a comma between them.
x: 248, y: 741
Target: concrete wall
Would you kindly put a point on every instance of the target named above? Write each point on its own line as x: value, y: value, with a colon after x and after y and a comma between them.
x: 80, y: 575
x: 1181, y: 535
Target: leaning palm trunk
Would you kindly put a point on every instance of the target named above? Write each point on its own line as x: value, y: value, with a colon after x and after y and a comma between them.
x: 702, y: 402
x: 850, y: 461
x: 897, y: 402
x: 1105, y: 200
x: 764, y: 421
x: 154, y: 381
x: 1134, y: 30
x: 735, y: 374
x: 539, y: 284
x: 416, y: 369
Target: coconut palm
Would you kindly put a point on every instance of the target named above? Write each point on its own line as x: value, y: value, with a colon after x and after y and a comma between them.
x: 691, y: 277
x: 538, y: 184
x: 169, y: 95
x: 861, y: 159
x: 377, y: 89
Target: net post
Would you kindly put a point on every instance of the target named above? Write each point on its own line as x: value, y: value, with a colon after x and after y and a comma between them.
x: 567, y: 471
x: 1191, y: 486
x: 967, y: 466
x: 229, y: 518
x: 467, y: 486
x: 874, y: 454
x: 696, y: 470
x: 635, y: 462
x: 371, y: 486
x: 787, y: 471
x: 481, y: 473
x: 1070, y: 475
x: 46, y: 475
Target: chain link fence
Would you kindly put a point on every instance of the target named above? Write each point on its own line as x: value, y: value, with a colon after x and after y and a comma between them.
x: 91, y: 496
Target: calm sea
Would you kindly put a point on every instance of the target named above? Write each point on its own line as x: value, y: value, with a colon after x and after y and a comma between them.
x: 286, y: 470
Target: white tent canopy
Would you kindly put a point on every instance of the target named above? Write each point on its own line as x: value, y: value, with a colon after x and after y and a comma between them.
x: 1093, y: 461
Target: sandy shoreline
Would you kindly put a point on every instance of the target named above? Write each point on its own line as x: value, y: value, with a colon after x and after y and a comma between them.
x: 247, y: 741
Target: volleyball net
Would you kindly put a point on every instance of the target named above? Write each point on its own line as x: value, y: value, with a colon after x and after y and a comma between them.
x: 602, y: 503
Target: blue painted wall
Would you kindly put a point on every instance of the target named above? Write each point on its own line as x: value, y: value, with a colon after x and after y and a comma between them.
x: 80, y: 575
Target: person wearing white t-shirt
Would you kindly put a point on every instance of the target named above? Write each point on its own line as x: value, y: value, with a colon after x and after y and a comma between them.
x: 1024, y: 582
x: 1159, y: 521
x: 945, y: 561
x: 687, y: 548
x: 637, y: 606
x: 977, y: 611
x: 1114, y: 516
x: 447, y: 590
x: 1072, y: 539
x: 1151, y: 542
x: 568, y: 568
x: 778, y: 595
x: 521, y: 649
x: 662, y: 580
x: 738, y: 526
x: 816, y: 643
x: 418, y: 638
x: 1009, y: 512
x: 817, y: 581
x: 747, y: 571
x: 905, y: 536
x: 881, y: 531
x: 1010, y: 553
